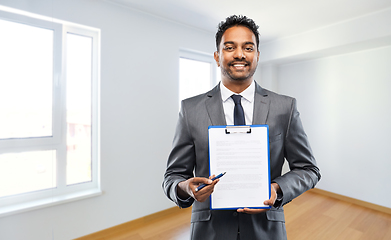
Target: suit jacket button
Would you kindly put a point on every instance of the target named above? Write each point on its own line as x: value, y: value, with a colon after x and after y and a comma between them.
x: 235, y: 214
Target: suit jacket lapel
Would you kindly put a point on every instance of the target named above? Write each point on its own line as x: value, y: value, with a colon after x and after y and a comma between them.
x: 214, y: 106
x: 261, y: 105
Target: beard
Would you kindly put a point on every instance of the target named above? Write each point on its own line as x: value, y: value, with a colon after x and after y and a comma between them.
x: 227, y: 71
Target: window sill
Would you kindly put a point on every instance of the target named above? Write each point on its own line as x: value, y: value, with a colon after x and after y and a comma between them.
x: 47, y: 202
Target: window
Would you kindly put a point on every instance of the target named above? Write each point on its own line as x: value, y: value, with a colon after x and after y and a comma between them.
x: 49, y: 87
x: 197, y: 73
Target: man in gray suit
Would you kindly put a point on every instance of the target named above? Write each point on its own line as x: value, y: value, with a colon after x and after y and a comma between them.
x: 237, y: 55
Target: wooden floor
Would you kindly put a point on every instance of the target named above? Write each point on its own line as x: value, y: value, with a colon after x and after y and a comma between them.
x: 308, y: 217
x: 315, y: 216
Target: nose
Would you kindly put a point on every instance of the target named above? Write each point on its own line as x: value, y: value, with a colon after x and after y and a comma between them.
x: 239, y: 53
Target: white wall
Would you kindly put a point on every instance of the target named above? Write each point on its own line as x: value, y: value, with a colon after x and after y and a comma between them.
x: 340, y: 75
x: 139, y: 75
x: 368, y: 31
x: 345, y: 103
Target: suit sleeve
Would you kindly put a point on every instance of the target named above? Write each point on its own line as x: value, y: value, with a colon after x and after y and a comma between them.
x: 304, y: 173
x: 180, y: 162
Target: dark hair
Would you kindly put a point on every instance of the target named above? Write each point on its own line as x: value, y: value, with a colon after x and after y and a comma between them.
x: 235, y: 20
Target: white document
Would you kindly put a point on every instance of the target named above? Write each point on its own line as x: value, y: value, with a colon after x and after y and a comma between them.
x: 243, y: 153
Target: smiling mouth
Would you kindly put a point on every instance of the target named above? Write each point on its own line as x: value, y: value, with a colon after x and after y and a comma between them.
x: 239, y: 65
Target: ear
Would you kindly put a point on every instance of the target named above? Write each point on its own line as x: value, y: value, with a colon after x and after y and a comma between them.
x: 258, y: 56
x: 217, y: 58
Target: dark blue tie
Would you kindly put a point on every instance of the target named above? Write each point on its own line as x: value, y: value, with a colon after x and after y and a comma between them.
x: 238, y: 110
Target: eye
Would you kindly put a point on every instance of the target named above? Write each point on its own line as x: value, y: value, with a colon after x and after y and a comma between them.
x: 249, y: 49
x: 228, y: 48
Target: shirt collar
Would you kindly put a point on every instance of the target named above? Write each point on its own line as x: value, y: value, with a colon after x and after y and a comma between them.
x: 247, y: 94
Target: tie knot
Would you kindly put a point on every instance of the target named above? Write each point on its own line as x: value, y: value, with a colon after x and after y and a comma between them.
x: 236, y: 98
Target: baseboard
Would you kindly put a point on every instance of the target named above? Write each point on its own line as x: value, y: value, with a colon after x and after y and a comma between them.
x: 134, y: 223
x: 352, y: 200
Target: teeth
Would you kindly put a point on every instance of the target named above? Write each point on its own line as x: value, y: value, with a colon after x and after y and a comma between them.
x: 239, y: 65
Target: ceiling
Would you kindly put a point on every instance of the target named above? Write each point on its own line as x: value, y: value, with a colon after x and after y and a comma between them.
x: 276, y: 19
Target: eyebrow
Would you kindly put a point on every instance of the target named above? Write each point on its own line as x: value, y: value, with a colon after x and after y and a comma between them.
x: 246, y: 43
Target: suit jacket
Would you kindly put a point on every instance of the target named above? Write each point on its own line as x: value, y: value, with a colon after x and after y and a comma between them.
x: 190, y: 155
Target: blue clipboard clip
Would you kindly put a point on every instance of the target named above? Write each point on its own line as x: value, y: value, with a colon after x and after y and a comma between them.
x: 237, y: 129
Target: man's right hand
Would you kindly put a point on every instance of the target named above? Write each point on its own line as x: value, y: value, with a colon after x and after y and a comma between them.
x: 187, y: 188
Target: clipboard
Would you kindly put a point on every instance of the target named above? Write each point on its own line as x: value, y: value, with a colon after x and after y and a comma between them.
x: 243, y: 153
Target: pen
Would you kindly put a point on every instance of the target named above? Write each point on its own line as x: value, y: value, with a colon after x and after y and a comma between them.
x: 203, y: 185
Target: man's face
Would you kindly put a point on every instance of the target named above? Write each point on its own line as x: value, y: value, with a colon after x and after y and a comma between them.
x: 238, y: 55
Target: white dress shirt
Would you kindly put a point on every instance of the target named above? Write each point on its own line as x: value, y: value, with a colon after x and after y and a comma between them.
x: 247, y: 103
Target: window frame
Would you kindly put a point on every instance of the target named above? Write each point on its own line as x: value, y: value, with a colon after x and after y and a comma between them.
x: 62, y: 192
x: 201, y: 57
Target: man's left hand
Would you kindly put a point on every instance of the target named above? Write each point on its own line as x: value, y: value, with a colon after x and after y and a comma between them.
x: 273, y: 197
